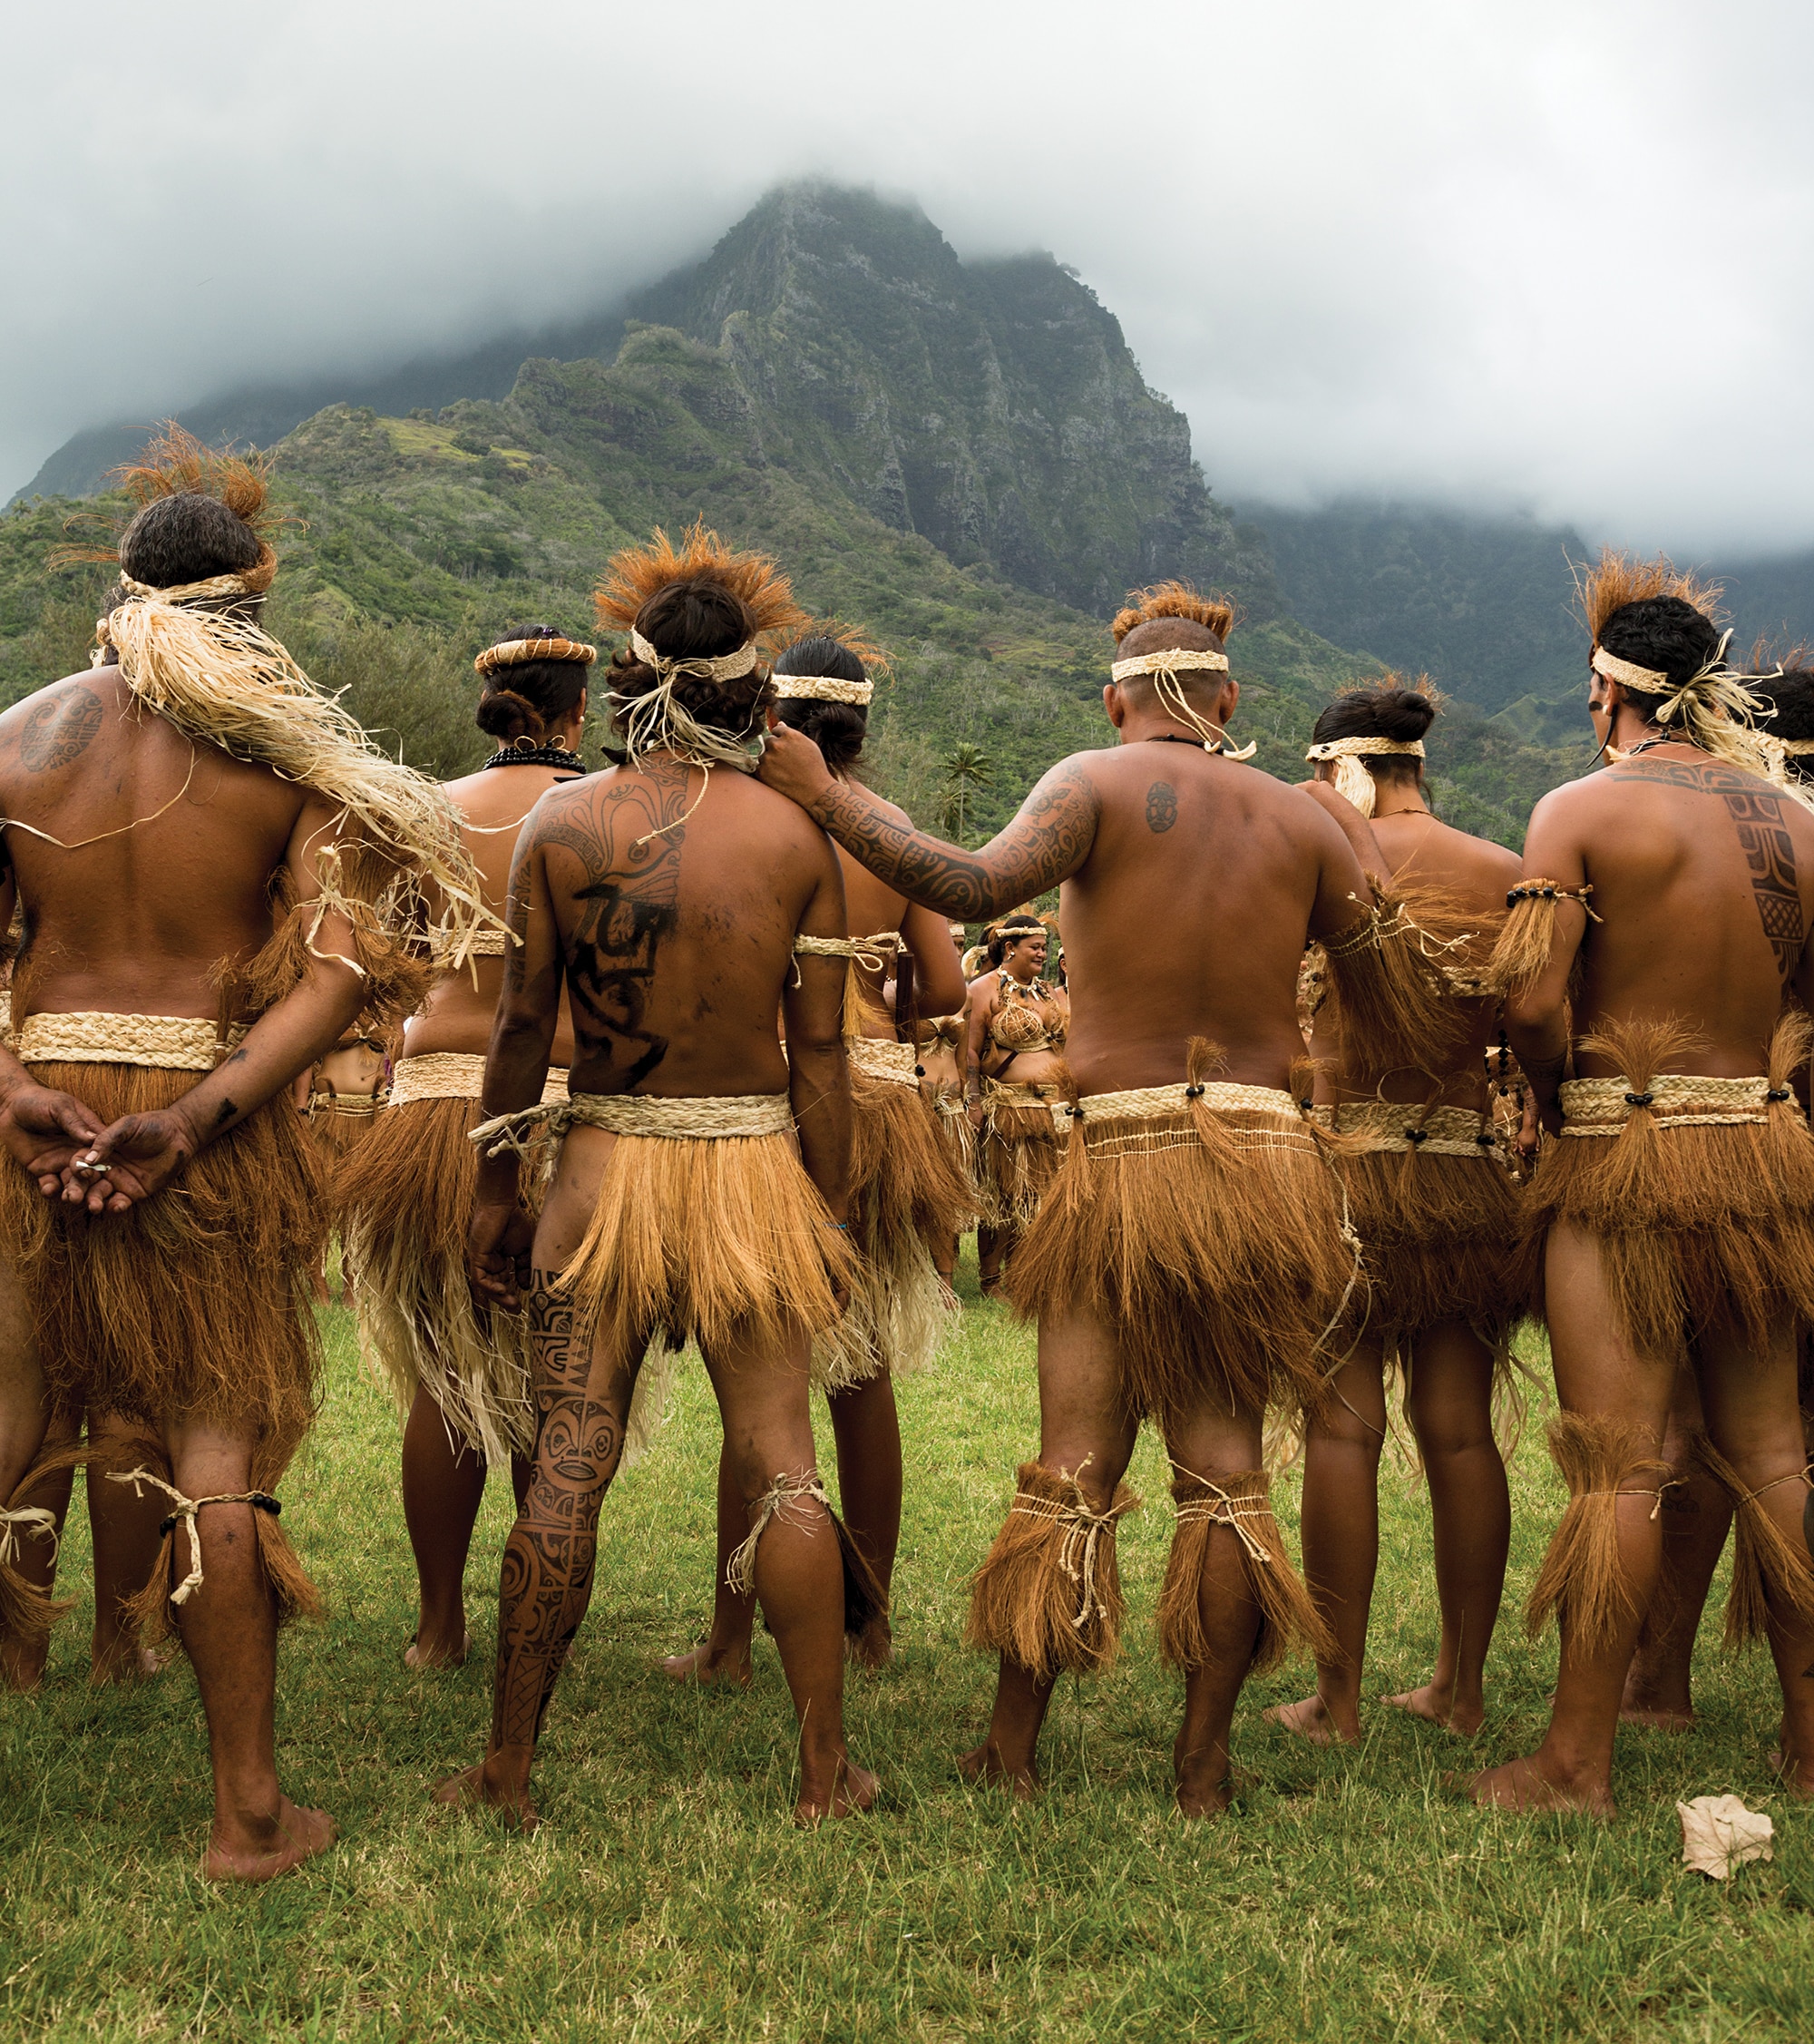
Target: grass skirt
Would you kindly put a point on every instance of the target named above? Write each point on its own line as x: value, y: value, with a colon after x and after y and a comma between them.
x: 405, y: 1198
x: 906, y: 1200
x: 194, y: 1304
x: 1017, y: 1152
x: 1209, y: 1240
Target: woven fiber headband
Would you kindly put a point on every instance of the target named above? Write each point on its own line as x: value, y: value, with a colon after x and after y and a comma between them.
x: 724, y: 667
x: 822, y: 688
x: 515, y: 652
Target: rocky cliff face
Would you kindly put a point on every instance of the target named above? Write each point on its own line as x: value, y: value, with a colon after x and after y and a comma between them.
x: 992, y: 407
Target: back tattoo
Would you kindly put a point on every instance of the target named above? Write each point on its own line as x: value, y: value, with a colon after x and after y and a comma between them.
x: 1757, y: 811
x: 628, y: 900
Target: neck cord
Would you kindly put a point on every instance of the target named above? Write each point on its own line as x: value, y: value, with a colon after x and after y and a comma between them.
x: 522, y: 754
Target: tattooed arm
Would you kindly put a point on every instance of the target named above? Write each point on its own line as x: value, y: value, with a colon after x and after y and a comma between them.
x: 1536, y: 1023
x: 502, y: 1233
x: 818, y: 1081
x: 1045, y: 844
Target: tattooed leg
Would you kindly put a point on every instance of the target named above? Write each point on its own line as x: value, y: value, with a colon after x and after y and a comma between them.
x: 799, y: 1575
x: 584, y: 1400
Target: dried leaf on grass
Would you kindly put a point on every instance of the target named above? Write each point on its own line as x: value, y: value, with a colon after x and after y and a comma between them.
x: 1718, y: 1833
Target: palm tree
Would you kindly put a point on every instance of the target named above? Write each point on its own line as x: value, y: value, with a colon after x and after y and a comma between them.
x: 968, y: 769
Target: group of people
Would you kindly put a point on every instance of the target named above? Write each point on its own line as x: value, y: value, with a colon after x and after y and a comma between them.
x: 681, y: 1051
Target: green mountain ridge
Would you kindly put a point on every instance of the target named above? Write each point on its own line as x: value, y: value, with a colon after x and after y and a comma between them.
x: 964, y: 458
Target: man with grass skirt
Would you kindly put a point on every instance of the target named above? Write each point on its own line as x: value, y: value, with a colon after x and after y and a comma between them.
x: 1190, y: 1254
x: 701, y: 1181
x: 216, y: 872
x: 1649, y: 959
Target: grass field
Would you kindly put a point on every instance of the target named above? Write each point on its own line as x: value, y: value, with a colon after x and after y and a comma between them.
x: 666, y: 1896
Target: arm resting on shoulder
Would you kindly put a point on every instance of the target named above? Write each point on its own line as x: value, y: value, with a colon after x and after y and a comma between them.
x: 818, y: 1077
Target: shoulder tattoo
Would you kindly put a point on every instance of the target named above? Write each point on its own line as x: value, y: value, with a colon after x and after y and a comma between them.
x: 58, y: 732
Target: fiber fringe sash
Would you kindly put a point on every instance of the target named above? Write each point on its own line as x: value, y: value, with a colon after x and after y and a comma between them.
x: 1581, y: 1581
x: 194, y: 1304
x: 705, y: 1226
x: 907, y: 1200
x: 1204, y: 1225
x: 1391, y: 982
x: 1700, y: 1191
x: 790, y: 1497
x: 1431, y: 1198
x: 1048, y: 1592
x: 1017, y: 1152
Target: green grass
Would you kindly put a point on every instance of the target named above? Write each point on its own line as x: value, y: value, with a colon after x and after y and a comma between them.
x: 667, y: 1896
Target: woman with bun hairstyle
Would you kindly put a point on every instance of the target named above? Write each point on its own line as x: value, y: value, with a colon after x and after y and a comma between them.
x: 1431, y: 1197
x: 907, y: 1201
x: 1016, y: 1038
x: 405, y: 1195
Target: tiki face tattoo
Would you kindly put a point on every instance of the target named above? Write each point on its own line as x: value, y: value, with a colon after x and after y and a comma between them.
x: 1758, y: 814
x: 627, y: 836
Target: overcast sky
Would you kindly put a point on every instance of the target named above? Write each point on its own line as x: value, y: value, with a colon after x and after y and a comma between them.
x: 1553, y: 256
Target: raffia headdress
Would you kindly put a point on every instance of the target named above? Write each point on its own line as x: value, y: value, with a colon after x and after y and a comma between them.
x: 1351, y: 779
x: 657, y: 721
x: 1178, y: 600
x: 829, y: 688
x: 222, y: 681
x: 519, y: 652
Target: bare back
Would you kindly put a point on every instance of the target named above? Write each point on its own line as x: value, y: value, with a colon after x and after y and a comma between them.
x: 675, y: 925
x: 1189, y: 914
x: 1474, y: 875
x: 1702, y: 875
x: 494, y: 804
x: 186, y: 845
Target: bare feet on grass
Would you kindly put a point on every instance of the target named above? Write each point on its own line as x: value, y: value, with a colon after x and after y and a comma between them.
x: 1439, y: 1706
x: 1659, y: 1708
x: 425, y: 1654
x: 872, y: 1649
x: 984, y: 1767
x: 1795, y: 1773
x: 839, y: 1788
x: 501, y: 1783
x: 1314, y: 1720
x: 709, y: 1663
x: 261, y: 1848
x: 125, y: 1663
x: 1523, y: 1784
x: 1202, y: 1791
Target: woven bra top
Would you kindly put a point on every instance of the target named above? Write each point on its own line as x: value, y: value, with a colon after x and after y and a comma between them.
x: 1021, y: 1024
x: 945, y: 1032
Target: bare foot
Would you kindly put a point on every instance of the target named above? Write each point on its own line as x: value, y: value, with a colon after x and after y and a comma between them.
x: 1658, y: 1717
x: 1312, y: 1719
x: 983, y: 1765
x: 415, y: 1655
x: 1440, y: 1708
x: 1796, y: 1775
x: 22, y: 1667
x: 853, y: 1789
x: 1521, y: 1785
x: 708, y: 1663
x: 260, y: 1852
x: 873, y: 1647
x: 492, y: 1787
x: 126, y: 1663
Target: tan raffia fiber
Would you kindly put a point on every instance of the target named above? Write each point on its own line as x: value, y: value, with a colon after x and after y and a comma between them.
x: 1241, y: 1504
x: 222, y: 681
x: 1522, y: 955
x: 195, y: 1302
x: 1772, y: 1573
x: 1048, y: 1592
x: 1581, y: 1578
x: 1699, y: 1229
x: 708, y: 1238
x: 906, y: 1201
x: 1389, y: 993
x: 959, y: 1136
x: 1017, y: 1151
x: 1439, y: 1223
x: 28, y: 1613
x: 404, y: 1199
x: 457, y: 1075
x: 1213, y: 1247
x: 685, y: 1118
x: 163, y: 1042
x: 790, y: 1497
x: 339, y: 1123
x: 1600, y: 1108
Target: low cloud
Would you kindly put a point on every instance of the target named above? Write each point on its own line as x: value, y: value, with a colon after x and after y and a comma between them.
x: 1557, y: 256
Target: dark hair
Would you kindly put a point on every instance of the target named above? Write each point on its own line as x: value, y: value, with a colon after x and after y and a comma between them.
x: 1014, y: 929
x: 522, y: 700
x: 1788, y: 710
x: 1665, y: 634
x: 837, y: 729
x: 186, y: 537
x: 699, y: 618
x: 1388, y: 710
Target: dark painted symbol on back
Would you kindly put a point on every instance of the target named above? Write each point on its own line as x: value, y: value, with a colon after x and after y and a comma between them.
x: 1162, y: 806
x: 57, y: 732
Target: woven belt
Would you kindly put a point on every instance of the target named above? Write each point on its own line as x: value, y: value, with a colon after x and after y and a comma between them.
x: 456, y: 1075
x: 1154, y: 1103
x: 1436, y: 1131
x: 877, y: 1058
x: 697, y: 1119
x: 162, y: 1042
x: 995, y: 1094
x: 1675, y: 1100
